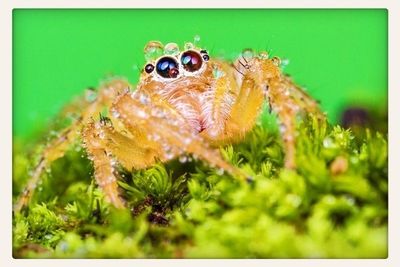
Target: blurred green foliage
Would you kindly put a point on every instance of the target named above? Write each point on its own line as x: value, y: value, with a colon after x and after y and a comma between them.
x: 333, y: 206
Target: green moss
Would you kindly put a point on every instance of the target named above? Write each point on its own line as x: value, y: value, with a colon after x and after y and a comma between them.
x: 194, y: 211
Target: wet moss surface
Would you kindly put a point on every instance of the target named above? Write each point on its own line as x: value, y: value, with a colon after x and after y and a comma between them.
x: 334, y: 205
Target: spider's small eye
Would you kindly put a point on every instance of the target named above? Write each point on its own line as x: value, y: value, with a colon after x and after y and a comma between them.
x: 205, y: 55
x: 167, y: 67
x: 149, y: 68
x: 191, y: 61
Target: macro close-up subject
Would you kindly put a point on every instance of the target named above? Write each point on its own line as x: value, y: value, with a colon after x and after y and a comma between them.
x: 131, y: 141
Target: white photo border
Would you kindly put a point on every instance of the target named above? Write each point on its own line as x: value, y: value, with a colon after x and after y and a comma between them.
x: 6, y: 7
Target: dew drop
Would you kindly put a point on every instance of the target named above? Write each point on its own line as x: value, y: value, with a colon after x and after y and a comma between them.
x: 276, y: 61
x: 196, y: 39
x: 328, y: 142
x: 187, y: 140
x: 141, y: 114
x: 171, y: 49
x: 220, y: 171
x: 90, y: 95
x: 285, y: 62
x: 115, y: 113
x: 282, y: 128
x: 153, y: 50
x: 183, y: 159
x: 156, y: 137
x: 263, y: 55
x: 189, y: 46
x: 158, y: 113
x: 144, y: 99
x: 217, y: 73
x: 248, y: 54
x: 169, y: 156
x: 213, y: 132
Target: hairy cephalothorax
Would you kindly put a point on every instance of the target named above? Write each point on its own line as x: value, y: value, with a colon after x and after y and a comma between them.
x: 184, y: 103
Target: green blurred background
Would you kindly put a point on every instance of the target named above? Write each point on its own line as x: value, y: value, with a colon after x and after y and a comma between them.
x: 340, y: 56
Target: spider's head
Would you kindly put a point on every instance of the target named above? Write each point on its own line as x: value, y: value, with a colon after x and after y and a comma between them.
x: 168, y: 63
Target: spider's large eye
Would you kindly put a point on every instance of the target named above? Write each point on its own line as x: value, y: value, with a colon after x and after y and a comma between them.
x: 167, y: 67
x: 191, y: 61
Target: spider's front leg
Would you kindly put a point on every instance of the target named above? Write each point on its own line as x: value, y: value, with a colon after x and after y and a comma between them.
x: 287, y: 100
x: 231, y: 110
x: 261, y: 78
x: 57, y: 148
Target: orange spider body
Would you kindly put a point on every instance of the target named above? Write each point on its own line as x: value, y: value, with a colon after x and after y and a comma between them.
x: 185, y: 103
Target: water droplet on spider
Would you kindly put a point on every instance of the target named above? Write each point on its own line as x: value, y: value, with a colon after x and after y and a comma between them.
x: 115, y: 113
x: 263, y: 55
x: 158, y: 113
x: 113, y: 162
x: 90, y: 95
x: 155, y: 137
x: 153, y: 50
x: 196, y: 39
x: 285, y: 62
x: 171, y: 49
x: 282, y: 128
x: 287, y: 93
x: 213, y: 132
x: 217, y: 73
x: 169, y: 156
x: 248, y: 54
x: 187, y: 140
x: 141, y: 114
x: 189, y: 46
x: 276, y: 61
x: 183, y: 159
x: 144, y: 99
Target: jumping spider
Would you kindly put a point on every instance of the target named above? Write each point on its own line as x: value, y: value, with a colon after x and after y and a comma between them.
x: 184, y: 103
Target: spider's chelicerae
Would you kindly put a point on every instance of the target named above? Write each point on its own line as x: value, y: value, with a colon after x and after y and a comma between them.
x: 184, y: 103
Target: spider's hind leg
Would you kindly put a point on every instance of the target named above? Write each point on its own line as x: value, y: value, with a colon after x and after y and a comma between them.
x: 56, y: 149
